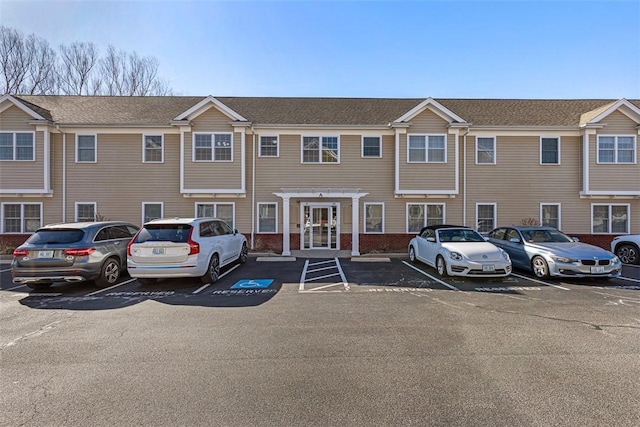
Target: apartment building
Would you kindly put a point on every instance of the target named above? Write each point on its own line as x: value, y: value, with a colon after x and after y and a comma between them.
x: 358, y: 174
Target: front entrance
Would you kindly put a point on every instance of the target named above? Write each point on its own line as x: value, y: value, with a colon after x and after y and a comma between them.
x: 321, y: 226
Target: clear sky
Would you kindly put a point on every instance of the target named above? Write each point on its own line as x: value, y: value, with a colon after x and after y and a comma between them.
x: 442, y: 49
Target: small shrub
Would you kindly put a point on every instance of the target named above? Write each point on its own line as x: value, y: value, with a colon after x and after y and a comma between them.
x: 530, y: 221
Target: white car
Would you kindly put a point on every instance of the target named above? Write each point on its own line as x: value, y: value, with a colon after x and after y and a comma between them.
x: 184, y: 247
x: 458, y: 251
x: 627, y: 248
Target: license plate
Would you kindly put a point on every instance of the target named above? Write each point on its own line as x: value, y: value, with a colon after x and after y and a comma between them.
x: 45, y: 254
x: 489, y: 267
x: 158, y: 251
x: 597, y: 270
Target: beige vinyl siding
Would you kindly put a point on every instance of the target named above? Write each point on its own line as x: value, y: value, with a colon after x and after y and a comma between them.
x: 614, y: 177
x: 430, y: 175
x: 22, y: 174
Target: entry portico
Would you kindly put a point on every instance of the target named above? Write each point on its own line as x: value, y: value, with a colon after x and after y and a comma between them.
x: 326, y: 195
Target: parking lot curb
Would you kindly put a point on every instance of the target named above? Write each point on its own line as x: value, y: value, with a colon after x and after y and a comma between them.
x: 371, y: 259
x: 275, y: 258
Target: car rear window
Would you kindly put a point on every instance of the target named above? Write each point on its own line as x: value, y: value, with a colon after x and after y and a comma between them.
x: 59, y: 236
x: 164, y: 232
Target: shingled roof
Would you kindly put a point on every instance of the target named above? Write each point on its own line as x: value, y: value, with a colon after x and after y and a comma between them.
x: 160, y: 110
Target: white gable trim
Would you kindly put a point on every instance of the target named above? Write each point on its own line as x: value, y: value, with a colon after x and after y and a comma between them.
x: 10, y: 99
x: 615, y: 107
x: 204, y: 105
x: 434, y: 106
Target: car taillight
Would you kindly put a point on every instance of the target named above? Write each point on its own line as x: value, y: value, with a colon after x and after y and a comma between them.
x: 20, y: 252
x: 133, y: 239
x: 194, y: 247
x: 79, y: 252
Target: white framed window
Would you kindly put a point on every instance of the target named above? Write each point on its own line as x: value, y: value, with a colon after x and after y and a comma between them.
x: 223, y: 211
x: 486, y: 150
x: 550, y: 215
x: 374, y: 218
x: 152, y: 149
x: 616, y: 149
x: 86, y: 211
x: 269, y: 146
x: 486, y: 217
x: 320, y: 149
x: 371, y: 146
x: 151, y: 211
x: 610, y: 218
x: 422, y: 214
x: 21, y: 217
x: 426, y: 149
x: 549, y: 150
x: 213, y: 147
x: 86, y: 148
x: 17, y: 146
x: 267, y: 217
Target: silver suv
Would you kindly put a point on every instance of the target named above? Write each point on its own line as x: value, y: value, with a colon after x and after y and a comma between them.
x: 73, y: 252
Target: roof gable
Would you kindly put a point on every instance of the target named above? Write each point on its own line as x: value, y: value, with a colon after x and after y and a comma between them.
x: 7, y: 101
x: 435, y: 107
x: 207, y: 103
x: 622, y: 105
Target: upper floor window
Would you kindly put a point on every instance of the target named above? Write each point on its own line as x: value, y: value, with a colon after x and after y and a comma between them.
x: 612, y: 218
x: 422, y: 214
x: 21, y: 217
x: 223, y: 211
x: 269, y: 146
x: 486, y: 217
x: 427, y: 148
x: 267, y: 215
x: 550, y: 215
x: 616, y: 149
x: 212, y: 147
x: 374, y: 218
x: 486, y: 150
x: 151, y: 211
x: 86, y: 148
x: 17, y: 146
x: 320, y: 149
x: 550, y: 151
x: 371, y: 146
x: 153, y: 149
x: 85, y: 211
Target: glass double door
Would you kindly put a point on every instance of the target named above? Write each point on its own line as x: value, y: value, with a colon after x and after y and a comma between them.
x: 320, y: 227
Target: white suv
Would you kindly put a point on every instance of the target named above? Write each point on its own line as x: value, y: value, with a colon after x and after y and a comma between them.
x: 627, y: 248
x: 184, y: 247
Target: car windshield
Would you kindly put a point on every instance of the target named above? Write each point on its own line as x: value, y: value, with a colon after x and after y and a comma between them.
x: 460, y: 235
x: 59, y: 236
x: 545, y: 236
x: 164, y: 232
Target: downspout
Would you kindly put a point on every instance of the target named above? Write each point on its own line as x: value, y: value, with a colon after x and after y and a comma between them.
x: 253, y: 189
x: 464, y: 177
x: 64, y: 175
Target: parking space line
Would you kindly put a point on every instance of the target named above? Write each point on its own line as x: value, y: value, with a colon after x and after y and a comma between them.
x: 109, y: 288
x: 453, y: 288
x: 335, y: 265
x: 5, y: 270
x: 313, y: 279
x: 629, y: 279
x: 541, y: 282
x: 205, y: 286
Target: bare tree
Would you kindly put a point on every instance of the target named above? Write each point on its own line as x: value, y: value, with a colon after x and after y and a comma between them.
x: 130, y: 75
x: 12, y: 59
x: 77, y: 62
x: 41, y: 67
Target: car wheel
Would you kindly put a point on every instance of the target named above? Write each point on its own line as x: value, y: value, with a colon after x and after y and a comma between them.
x: 244, y: 254
x: 213, y: 272
x: 412, y: 254
x: 146, y: 281
x: 539, y: 267
x: 628, y: 254
x: 39, y: 285
x: 441, y: 266
x: 109, y: 274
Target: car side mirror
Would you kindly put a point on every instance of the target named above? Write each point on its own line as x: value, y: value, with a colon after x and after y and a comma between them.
x: 235, y: 231
x: 431, y: 239
x: 575, y: 239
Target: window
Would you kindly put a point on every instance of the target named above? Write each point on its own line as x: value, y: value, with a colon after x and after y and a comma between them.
x: 153, y: 149
x: 212, y: 147
x: 17, y: 146
x: 269, y: 146
x: 267, y: 215
x: 550, y: 151
x: 223, y: 211
x: 374, y: 218
x: 610, y: 219
x: 86, y: 148
x: 85, y: 211
x: 423, y: 214
x: 616, y: 149
x: 486, y: 150
x: 323, y: 149
x: 21, y: 217
x: 485, y: 217
x: 550, y: 215
x: 427, y: 148
x: 151, y: 211
x: 371, y: 146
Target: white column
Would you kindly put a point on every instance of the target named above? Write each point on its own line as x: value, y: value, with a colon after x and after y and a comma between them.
x: 286, y: 238
x: 355, y: 224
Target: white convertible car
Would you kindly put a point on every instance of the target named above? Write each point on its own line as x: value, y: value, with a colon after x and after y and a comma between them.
x: 458, y: 251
